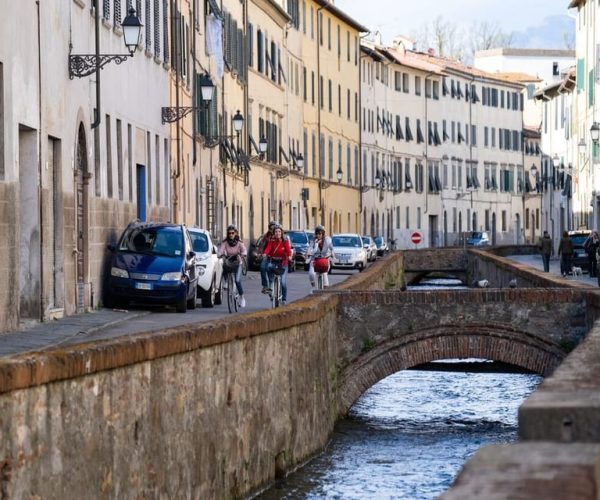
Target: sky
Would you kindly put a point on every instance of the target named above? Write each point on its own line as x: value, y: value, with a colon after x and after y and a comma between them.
x: 535, y: 22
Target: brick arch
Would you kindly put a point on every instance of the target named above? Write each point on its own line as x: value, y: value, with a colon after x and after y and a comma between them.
x: 493, y: 342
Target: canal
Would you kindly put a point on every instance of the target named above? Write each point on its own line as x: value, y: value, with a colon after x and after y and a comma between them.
x: 409, y: 435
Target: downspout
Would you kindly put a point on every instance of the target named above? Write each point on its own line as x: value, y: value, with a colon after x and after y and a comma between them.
x: 431, y: 73
x: 522, y: 228
x: 40, y: 208
x: 194, y: 91
x: 319, y: 100
x: 97, y: 43
x: 177, y: 18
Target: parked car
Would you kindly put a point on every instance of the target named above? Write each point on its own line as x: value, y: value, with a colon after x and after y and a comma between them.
x: 349, y: 252
x: 382, y: 246
x: 370, y: 247
x: 255, y: 255
x: 299, y: 241
x: 153, y: 264
x: 580, y: 258
x: 478, y: 239
x: 209, y: 267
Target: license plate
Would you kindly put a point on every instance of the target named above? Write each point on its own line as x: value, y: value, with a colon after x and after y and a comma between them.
x: 143, y: 286
x: 343, y: 261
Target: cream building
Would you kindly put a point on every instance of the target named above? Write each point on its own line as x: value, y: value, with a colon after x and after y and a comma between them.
x: 69, y: 188
x: 454, y: 134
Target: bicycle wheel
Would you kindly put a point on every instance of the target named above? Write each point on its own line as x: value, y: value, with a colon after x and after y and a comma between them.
x: 320, y: 281
x: 244, y: 266
x: 231, y: 293
x: 276, y: 297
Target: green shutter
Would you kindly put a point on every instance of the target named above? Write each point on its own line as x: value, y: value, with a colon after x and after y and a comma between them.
x: 591, y: 88
x: 580, y: 74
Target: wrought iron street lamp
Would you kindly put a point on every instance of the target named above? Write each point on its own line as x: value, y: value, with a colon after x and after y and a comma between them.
x: 339, y: 175
x: 81, y: 65
x: 170, y: 114
x: 595, y: 132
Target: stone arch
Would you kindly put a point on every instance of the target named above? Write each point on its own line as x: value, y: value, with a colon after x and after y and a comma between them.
x: 496, y: 343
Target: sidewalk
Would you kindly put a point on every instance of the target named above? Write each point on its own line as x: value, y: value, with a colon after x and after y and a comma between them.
x: 54, y: 333
x: 535, y: 261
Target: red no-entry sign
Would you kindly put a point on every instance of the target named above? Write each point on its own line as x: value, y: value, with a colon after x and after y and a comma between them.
x: 416, y: 238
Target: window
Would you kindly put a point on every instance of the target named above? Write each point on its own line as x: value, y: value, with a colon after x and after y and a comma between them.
x: 405, y: 83
x: 428, y: 88
x: 417, y: 85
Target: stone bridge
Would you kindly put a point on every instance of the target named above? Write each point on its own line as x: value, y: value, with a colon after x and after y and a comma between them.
x: 220, y: 409
x: 381, y: 333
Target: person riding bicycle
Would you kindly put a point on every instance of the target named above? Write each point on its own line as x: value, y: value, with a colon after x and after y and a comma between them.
x: 321, y: 249
x: 268, y: 236
x: 232, y: 248
x: 278, y: 249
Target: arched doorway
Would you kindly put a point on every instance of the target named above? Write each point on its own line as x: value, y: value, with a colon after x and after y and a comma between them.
x: 493, y: 228
x: 517, y: 229
x: 82, y: 176
x: 445, y: 228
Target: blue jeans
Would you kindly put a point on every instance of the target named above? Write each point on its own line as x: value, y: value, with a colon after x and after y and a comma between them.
x: 546, y: 260
x: 238, y: 279
x: 264, y: 278
x: 283, y: 279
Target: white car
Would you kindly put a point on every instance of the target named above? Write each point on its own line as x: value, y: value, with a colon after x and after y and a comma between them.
x: 349, y: 252
x: 208, y: 267
x: 370, y: 247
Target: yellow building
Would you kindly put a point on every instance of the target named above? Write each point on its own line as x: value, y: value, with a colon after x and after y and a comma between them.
x: 331, y: 90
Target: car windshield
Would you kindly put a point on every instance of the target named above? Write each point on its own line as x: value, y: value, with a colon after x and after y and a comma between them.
x: 153, y: 240
x: 310, y: 236
x: 298, y: 237
x: 578, y: 239
x: 199, y: 241
x: 476, y: 235
x: 346, y: 241
x: 379, y: 240
x: 366, y: 240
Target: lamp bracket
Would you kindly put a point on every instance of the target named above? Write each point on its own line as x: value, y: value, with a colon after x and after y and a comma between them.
x: 81, y: 65
x: 324, y: 184
x: 364, y: 189
x: 173, y: 114
x: 282, y: 174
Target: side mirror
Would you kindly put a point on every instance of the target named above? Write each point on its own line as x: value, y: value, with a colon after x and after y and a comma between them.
x: 192, y: 254
x: 111, y: 247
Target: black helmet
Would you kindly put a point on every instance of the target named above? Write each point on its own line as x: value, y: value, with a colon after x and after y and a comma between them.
x: 232, y: 227
x: 320, y: 229
x: 272, y: 224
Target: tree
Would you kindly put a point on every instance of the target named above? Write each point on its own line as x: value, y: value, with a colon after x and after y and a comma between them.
x: 486, y: 35
x: 444, y: 37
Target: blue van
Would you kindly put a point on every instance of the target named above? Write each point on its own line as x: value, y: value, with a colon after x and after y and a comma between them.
x: 153, y: 263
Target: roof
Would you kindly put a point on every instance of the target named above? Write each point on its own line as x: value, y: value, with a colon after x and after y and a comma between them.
x: 576, y: 3
x: 566, y: 84
x: 513, y: 51
x: 518, y: 77
x: 532, y: 132
x: 340, y: 14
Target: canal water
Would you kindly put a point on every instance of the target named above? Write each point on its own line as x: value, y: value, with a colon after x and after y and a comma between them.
x: 409, y: 435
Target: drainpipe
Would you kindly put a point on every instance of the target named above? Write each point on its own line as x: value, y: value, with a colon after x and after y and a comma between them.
x: 194, y: 95
x: 319, y: 100
x: 177, y: 68
x: 97, y: 42
x: 40, y: 170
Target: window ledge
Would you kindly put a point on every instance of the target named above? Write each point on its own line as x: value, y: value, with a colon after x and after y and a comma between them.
x: 79, y: 3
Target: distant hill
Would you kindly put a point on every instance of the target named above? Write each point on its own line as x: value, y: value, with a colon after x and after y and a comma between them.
x: 555, y: 32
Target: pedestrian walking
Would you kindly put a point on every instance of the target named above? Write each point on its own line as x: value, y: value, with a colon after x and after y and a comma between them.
x: 565, y: 250
x: 546, y: 249
x: 591, y: 245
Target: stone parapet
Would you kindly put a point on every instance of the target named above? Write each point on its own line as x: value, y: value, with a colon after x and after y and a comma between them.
x: 547, y: 471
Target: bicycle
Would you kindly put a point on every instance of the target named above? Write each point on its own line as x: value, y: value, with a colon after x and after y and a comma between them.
x: 230, y: 267
x: 276, y: 268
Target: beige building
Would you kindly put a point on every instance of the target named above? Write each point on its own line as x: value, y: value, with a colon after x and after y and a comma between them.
x: 442, y: 150
x: 75, y: 169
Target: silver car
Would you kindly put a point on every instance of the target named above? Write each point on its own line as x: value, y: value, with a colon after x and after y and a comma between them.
x: 370, y: 247
x: 208, y: 267
x: 348, y: 252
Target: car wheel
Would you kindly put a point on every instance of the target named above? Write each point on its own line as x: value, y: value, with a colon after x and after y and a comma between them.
x: 181, y: 305
x: 208, y: 296
x: 191, y: 303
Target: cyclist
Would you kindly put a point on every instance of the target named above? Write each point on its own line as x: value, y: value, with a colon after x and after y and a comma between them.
x: 278, y: 248
x: 268, y: 236
x: 233, y: 249
x: 321, y: 248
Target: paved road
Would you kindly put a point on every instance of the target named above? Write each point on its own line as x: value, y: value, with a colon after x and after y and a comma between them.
x: 108, y: 323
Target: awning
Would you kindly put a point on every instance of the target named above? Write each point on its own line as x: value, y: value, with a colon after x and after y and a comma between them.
x: 419, y: 134
x: 215, y: 9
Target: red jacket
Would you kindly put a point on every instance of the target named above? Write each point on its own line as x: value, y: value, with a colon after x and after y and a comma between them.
x: 279, y: 249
